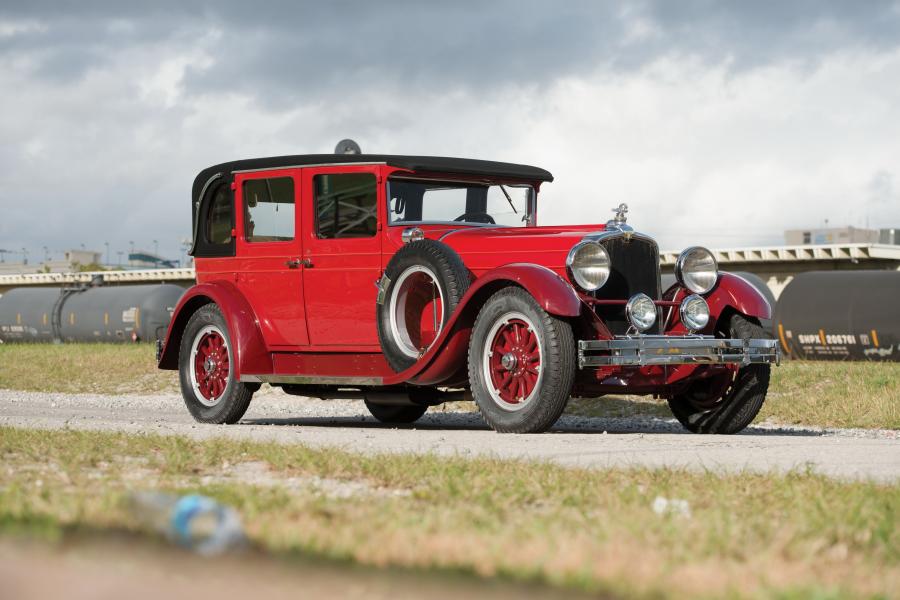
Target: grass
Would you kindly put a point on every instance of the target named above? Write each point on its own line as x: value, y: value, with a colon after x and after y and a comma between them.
x: 825, y: 394
x: 746, y: 535
x: 84, y: 368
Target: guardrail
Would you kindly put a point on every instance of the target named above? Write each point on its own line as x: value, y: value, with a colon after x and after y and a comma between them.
x: 137, y: 276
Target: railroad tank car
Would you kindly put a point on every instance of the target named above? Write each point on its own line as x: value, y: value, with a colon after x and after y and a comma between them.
x: 87, y: 313
x: 840, y: 315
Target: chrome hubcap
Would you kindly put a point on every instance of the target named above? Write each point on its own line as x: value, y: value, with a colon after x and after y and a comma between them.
x: 509, y: 361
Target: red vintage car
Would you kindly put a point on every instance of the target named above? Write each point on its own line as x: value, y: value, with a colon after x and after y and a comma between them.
x: 408, y: 281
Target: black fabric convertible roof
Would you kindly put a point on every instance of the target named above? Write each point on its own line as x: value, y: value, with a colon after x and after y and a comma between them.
x: 431, y: 164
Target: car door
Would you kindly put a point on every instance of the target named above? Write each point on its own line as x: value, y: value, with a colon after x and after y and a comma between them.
x: 269, y: 250
x: 342, y: 246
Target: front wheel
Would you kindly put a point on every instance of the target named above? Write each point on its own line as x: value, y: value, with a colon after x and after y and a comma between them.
x: 206, y: 371
x: 521, y: 363
x: 731, y: 409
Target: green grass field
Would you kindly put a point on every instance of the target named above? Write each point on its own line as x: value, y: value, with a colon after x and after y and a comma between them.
x: 826, y: 394
x: 741, y: 535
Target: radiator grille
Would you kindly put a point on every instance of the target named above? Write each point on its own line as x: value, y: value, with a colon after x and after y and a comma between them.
x: 634, y: 268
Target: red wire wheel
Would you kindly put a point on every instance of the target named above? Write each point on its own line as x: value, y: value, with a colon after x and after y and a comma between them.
x: 512, y: 361
x: 210, y: 365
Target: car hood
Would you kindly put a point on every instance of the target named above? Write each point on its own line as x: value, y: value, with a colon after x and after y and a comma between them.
x: 483, y: 249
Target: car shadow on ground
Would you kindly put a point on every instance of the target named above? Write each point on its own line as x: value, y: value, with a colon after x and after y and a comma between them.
x: 567, y: 424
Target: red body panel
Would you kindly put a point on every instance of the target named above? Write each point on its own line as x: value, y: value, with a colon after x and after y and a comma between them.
x: 339, y: 286
x: 263, y: 275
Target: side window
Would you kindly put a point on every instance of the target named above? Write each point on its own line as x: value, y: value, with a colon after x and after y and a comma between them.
x: 219, y: 217
x: 269, y: 209
x: 346, y: 205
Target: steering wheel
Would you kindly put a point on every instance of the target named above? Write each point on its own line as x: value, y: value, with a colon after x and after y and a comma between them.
x: 476, y: 217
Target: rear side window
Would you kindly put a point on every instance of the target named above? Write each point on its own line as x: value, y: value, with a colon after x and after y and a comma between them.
x: 269, y: 209
x: 219, y: 217
x: 346, y: 205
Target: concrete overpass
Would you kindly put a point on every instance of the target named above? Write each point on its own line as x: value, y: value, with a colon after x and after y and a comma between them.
x: 776, y: 265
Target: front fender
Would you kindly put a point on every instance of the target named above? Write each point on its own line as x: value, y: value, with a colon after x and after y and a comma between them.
x: 447, y: 356
x: 736, y: 292
x: 552, y: 292
x: 731, y: 293
x: 248, y: 346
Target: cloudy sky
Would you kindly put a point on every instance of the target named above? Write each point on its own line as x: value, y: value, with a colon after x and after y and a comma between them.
x: 718, y: 123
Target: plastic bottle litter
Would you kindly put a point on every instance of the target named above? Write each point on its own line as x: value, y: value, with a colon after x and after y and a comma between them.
x: 671, y: 506
x: 196, y: 522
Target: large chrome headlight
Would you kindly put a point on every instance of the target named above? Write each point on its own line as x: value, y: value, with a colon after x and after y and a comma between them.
x: 694, y: 312
x: 641, y: 312
x: 696, y: 269
x: 588, y: 265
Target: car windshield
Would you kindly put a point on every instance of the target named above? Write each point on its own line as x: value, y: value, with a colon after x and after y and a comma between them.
x: 419, y: 201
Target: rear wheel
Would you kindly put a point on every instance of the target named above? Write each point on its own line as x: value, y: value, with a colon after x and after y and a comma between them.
x: 521, y: 363
x: 708, y: 408
x: 210, y: 390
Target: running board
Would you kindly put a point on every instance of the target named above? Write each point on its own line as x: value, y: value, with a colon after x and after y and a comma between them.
x: 312, y: 380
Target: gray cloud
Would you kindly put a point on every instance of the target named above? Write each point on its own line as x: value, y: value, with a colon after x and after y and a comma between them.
x: 115, y: 106
x: 286, y: 50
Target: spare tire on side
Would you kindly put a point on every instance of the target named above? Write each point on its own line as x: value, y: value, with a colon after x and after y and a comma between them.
x: 421, y: 287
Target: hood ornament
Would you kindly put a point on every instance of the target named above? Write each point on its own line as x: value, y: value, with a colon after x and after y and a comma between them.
x: 619, y: 221
x: 620, y: 211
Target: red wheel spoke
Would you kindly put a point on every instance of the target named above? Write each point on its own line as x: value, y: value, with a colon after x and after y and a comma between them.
x: 514, y: 363
x: 211, y: 366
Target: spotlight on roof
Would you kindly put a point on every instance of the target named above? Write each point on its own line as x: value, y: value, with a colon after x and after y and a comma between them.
x: 347, y: 147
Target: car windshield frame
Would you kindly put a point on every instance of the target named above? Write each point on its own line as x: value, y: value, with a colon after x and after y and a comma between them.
x: 527, y: 221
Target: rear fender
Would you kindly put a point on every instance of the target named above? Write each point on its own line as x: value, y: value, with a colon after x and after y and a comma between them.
x: 248, y: 347
x: 447, y: 356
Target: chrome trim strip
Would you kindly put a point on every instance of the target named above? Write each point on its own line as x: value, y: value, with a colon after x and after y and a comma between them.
x: 647, y: 350
x: 342, y: 164
x: 461, y: 224
x: 312, y: 380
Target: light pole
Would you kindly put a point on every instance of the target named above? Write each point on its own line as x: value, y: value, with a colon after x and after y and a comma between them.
x: 131, y: 242
x: 119, y: 252
x: 46, y: 254
x: 107, y: 252
x: 156, y: 250
x: 24, y: 256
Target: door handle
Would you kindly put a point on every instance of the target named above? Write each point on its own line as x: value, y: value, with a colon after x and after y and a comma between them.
x: 296, y: 262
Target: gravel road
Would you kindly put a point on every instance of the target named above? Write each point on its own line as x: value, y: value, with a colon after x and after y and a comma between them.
x: 575, y: 441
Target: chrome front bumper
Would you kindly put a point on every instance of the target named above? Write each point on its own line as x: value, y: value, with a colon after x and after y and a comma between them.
x: 644, y: 350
